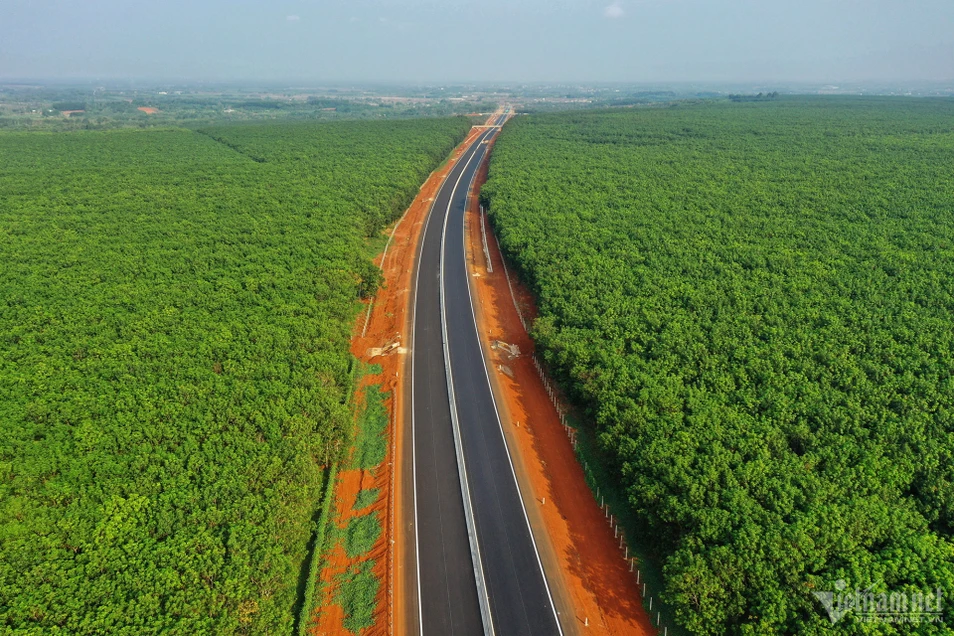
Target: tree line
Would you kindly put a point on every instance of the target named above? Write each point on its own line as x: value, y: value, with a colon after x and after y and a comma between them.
x: 751, y: 307
x: 175, y: 321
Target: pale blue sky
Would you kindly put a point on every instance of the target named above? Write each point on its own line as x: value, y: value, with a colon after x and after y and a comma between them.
x: 493, y: 40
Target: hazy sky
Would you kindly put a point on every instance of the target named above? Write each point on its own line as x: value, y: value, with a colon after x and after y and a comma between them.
x: 495, y: 40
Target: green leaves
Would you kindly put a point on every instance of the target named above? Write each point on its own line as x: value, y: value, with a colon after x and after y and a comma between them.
x: 361, y: 534
x: 749, y: 303
x: 175, y: 321
x: 357, y: 593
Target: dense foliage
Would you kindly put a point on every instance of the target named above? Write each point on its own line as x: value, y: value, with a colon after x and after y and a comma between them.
x: 356, y: 592
x: 754, y: 304
x: 174, y: 327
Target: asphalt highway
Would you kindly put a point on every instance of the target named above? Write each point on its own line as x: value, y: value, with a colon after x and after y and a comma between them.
x: 478, y: 570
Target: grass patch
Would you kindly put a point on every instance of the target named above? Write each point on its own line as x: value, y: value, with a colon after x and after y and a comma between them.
x: 371, y: 442
x: 361, y: 535
x: 357, y: 593
x: 365, y: 498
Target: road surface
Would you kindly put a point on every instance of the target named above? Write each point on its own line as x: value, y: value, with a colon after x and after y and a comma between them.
x: 478, y: 571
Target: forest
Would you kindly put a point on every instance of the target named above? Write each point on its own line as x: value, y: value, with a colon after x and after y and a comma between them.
x: 175, y: 314
x: 751, y: 305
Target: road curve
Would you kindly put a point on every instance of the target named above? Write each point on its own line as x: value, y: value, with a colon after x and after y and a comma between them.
x: 478, y: 570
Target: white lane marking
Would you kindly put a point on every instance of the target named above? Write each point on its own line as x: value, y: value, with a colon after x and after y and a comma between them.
x: 513, y: 472
x: 496, y: 490
x: 417, y: 277
x: 417, y: 541
x: 483, y: 597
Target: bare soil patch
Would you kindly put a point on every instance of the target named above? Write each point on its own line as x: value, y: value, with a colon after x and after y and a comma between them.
x: 381, y: 337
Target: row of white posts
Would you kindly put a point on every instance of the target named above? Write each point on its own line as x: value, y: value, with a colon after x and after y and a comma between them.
x: 613, y: 521
x: 571, y: 435
x: 483, y: 236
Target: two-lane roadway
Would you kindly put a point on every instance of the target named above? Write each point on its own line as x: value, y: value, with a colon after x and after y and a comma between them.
x: 478, y: 570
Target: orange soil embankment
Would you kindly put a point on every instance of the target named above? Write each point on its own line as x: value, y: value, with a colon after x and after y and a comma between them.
x: 386, y: 323
x: 587, y: 571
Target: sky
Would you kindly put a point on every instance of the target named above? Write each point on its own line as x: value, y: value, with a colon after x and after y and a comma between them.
x: 489, y: 41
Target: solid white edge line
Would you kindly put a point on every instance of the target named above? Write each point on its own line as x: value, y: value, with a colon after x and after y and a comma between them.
x: 513, y: 472
x: 483, y: 598
x: 417, y: 541
x: 417, y: 277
